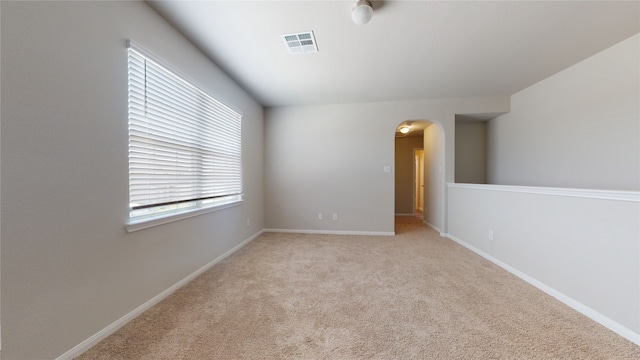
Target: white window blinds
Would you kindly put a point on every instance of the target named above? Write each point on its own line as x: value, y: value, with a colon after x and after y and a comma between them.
x: 184, y: 145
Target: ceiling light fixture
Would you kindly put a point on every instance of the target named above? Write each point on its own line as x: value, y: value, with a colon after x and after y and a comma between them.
x: 405, y: 129
x: 362, y: 12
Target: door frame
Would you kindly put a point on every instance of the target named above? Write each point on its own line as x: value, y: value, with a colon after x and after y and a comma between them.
x: 416, y: 181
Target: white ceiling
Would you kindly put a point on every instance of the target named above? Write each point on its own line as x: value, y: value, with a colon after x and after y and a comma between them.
x: 409, y: 50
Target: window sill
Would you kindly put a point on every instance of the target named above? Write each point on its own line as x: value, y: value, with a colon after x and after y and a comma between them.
x: 141, y: 224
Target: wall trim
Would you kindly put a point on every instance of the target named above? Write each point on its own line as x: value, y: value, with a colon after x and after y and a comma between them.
x: 403, y: 214
x: 332, y: 232
x: 162, y: 219
x: 576, y: 305
x: 113, y: 327
x: 443, y: 234
x: 633, y: 196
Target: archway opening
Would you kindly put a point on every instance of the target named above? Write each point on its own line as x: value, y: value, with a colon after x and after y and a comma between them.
x: 419, y: 172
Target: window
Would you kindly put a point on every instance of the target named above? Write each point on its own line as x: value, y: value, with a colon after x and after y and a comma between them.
x: 184, y: 145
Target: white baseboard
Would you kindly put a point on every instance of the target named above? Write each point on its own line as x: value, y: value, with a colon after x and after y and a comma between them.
x: 443, y: 234
x: 576, y: 305
x: 332, y: 232
x: 102, y: 334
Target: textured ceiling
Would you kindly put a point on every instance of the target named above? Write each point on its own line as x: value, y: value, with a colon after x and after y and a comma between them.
x: 409, y: 50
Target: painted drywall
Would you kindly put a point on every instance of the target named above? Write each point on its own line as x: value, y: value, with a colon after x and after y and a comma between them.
x: 69, y: 268
x: 587, y: 249
x: 331, y: 159
x: 404, y: 173
x: 577, y: 129
x: 434, y: 182
x: 471, y: 150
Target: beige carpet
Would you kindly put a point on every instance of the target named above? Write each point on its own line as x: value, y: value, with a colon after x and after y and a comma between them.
x: 412, y: 296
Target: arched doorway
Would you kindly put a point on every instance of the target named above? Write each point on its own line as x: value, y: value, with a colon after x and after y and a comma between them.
x: 419, y: 165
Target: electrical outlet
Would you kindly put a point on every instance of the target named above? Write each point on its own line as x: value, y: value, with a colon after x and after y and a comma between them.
x: 335, y: 217
x: 248, y: 222
x: 319, y: 216
x: 490, y: 237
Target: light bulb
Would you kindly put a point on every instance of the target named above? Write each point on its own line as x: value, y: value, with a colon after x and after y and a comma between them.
x: 362, y: 12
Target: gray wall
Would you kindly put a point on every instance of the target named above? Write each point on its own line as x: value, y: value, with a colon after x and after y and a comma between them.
x: 330, y: 159
x: 434, y: 164
x: 69, y: 269
x: 577, y: 246
x: 404, y: 173
x: 576, y: 129
x: 471, y: 150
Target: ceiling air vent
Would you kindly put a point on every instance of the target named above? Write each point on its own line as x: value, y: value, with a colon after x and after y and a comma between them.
x: 300, y: 43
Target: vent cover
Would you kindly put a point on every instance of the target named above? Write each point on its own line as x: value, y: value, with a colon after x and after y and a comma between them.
x: 300, y: 43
